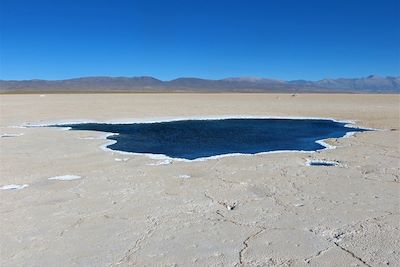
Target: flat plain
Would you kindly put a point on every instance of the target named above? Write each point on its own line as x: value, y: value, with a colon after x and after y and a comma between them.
x: 103, y: 208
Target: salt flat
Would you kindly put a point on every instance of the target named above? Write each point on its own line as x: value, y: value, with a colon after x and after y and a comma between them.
x: 261, y: 210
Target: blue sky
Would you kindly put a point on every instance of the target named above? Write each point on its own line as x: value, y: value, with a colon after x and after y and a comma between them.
x: 285, y: 39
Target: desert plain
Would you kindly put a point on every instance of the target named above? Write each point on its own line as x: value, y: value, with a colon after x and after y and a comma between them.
x: 257, y: 210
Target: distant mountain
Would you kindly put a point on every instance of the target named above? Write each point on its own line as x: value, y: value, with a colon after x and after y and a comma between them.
x: 370, y: 84
x: 373, y: 83
x: 253, y: 80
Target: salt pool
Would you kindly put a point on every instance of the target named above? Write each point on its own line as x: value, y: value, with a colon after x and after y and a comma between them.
x: 201, y: 138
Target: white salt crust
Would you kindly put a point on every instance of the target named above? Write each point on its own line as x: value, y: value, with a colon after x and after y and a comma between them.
x: 14, y: 186
x: 68, y: 177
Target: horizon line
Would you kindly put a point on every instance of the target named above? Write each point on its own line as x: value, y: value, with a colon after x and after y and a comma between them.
x: 201, y: 78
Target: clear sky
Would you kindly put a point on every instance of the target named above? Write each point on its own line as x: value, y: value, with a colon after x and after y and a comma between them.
x: 285, y: 39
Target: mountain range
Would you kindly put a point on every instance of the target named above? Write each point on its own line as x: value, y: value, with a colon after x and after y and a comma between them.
x: 370, y: 84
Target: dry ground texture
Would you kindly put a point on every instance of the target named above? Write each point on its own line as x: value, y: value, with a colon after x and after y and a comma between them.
x: 135, y: 211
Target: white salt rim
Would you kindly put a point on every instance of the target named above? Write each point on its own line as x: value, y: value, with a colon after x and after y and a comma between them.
x: 14, y: 186
x: 65, y: 177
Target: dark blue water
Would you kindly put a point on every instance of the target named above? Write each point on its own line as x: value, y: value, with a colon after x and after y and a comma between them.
x: 191, y: 139
x: 321, y: 163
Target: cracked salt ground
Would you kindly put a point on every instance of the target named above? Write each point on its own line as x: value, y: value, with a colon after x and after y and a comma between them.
x: 134, y: 214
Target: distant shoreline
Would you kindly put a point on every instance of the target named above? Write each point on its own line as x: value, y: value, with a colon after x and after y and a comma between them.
x: 31, y: 92
x: 145, y: 84
x: 188, y: 91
